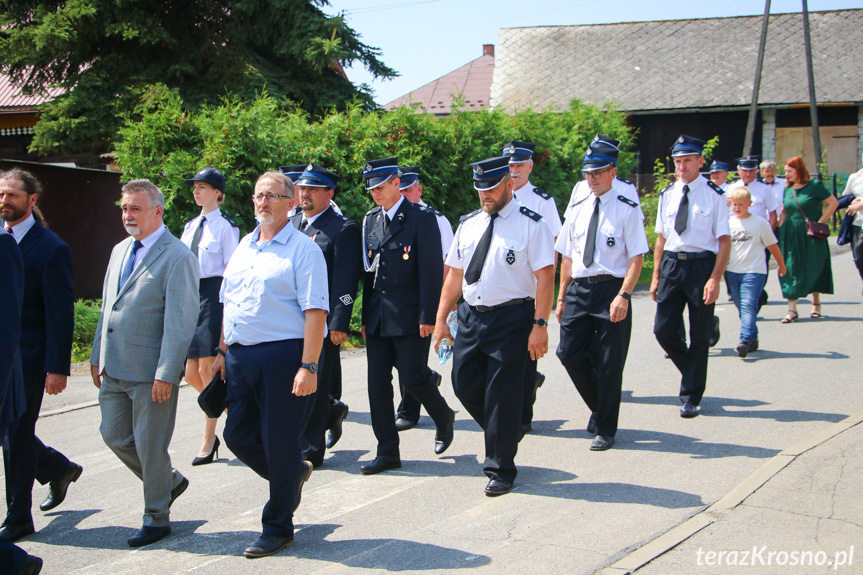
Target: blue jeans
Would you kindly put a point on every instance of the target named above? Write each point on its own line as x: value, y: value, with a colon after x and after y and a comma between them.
x: 746, y: 289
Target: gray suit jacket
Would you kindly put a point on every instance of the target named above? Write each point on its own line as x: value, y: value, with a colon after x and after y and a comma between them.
x: 145, y: 330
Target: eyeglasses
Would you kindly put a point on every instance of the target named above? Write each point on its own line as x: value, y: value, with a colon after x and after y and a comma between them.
x: 594, y: 175
x: 271, y: 198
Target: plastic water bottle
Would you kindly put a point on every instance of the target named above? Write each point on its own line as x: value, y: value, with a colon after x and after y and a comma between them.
x: 444, y: 350
x: 452, y: 322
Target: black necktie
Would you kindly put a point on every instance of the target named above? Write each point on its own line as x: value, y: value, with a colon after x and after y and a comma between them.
x: 387, y: 221
x: 196, y: 239
x: 474, y: 269
x: 304, y: 225
x: 682, y: 212
x: 590, y: 245
x: 130, y: 264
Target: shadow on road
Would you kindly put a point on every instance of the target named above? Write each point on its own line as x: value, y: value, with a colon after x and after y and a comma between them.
x: 614, y: 493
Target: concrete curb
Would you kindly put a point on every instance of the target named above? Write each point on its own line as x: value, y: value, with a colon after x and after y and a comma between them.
x: 85, y: 405
x: 667, y: 541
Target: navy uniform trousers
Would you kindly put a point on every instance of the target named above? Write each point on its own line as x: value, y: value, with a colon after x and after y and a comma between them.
x: 489, y: 361
x: 681, y: 284
x: 314, y: 441
x: 593, y: 349
x: 409, y: 407
x: 408, y: 354
x: 266, y: 420
x: 25, y: 456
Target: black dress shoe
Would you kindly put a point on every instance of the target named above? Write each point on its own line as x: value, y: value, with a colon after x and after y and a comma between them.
x: 267, y: 545
x: 148, y: 534
x: 591, y: 424
x: 497, y: 487
x: 403, y: 424
x: 381, y: 463
x: 13, y: 533
x: 57, y: 489
x: 178, y: 490
x: 444, y: 435
x: 32, y: 566
x: 742, y: 348
x: 714, y: 332
x: 335, y: 430
x: 208, y: 458
x: 307, y: 472
x: 688, y: 410
x: 602, y: 443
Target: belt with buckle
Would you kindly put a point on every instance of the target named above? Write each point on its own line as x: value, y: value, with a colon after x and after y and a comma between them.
x: 597, y: 279
x: 484, y: 308
x: 689, y: 255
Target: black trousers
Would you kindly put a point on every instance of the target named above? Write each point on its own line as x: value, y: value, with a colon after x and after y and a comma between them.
x: 857, y: 248
x: 314, y: 436
x: 26, y: 458
x: 408, y: 354
x: 681, y: 285
x: 489, y: 361
x: 409, y: 407
x: 593, y: 349
x: 529, y: 391
x: 265, y: 421
x: 12, y: 557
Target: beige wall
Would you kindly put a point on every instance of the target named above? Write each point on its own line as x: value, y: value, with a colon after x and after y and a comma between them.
x: 839, y: 143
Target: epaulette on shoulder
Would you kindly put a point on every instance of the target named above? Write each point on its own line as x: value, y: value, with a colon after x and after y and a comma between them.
x: 666, y: 188
x: 437, y: 213
x: 373, y: 211
x: 230, y: 221
x: 627, y: 201
x: 716, y: 188
x: 625, y: 181
x: 541, y: 193
x: 530, y: 213
x: 468, y: 216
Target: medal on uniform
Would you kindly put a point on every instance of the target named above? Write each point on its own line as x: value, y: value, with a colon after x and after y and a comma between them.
x: 510, y: 257
x: 370, y: 253
x: 610, y: 242
x: 407, y: 252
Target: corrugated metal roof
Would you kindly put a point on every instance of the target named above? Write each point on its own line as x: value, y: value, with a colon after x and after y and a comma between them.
x: 679, y: 64
x: 473, y: 81
x: 12, y: 100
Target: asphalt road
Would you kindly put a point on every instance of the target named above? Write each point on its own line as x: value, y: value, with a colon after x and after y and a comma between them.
x: 572, y: 511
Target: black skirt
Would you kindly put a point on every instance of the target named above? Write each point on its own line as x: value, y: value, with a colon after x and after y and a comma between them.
x: 209, y: 320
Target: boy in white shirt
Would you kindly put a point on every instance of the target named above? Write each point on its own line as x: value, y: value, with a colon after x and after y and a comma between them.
x: 747, y: 269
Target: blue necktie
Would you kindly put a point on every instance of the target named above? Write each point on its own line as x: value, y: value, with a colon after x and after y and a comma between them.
x: 130, y: 264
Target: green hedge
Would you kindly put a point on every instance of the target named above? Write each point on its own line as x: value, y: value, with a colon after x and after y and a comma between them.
x: 86, y: 318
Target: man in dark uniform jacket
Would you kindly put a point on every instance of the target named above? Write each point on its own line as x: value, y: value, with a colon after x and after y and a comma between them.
x: 47, y: 322
x: 404, y: 272
x: 339, y: 239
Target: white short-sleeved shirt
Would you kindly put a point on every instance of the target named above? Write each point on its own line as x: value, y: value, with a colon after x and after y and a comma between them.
x: 620, y: 235
x: 219, y: 239
x: 546, y: 207
x: 749, y: 237
x: 581, y: 191
x: 854, y: 187
x: 763, y: 200
x: 445, y: 227
x: 707, y: 220
x: 521, y: 245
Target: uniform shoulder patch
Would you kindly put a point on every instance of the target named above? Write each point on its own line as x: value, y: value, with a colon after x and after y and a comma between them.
x: 530, y: 213
x: 624, y: 180
x: 542, y: 193
x: 627, y: 201
x: 373, y: 211
x: 468, y: 216
x: 716, y: 188
x: 666, y: 188
x: 230, y: 221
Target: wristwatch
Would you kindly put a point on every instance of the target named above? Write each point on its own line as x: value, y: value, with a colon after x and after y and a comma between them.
x: 624, y: 295
x: 313, y: 367
x: 541, y: 322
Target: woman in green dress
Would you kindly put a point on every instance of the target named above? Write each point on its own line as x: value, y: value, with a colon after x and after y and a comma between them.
x: 808, y: 259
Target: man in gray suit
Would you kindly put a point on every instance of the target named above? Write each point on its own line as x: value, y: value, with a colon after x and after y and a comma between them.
x: 149, y: 313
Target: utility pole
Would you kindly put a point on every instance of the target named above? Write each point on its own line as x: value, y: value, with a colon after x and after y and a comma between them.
x: 813, y: 103
x: 756, y: 85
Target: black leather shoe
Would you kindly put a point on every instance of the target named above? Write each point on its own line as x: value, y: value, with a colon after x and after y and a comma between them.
x: 753, y: 346
x: 57, y: 489
x: 13, y: 533
x: 742, y: 349
x: 307, y: 472
x: 714, y: 333
x: 335, y: 430
x: 444, y: 435
x: 497, y: 487
x: 178, y: 490
x: 602, y: 443
x: 688, y: 410
x: 32, y: 566
x: 381, y: 463
x: 591, y: 424
x: 267, y: 545
x: 148, y: 534
x: 403, y: 424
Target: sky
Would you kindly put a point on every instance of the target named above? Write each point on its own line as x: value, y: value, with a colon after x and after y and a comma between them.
x: 425, y: 39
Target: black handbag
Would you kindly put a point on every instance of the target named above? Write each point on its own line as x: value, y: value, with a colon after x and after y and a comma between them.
x: 214, y: 398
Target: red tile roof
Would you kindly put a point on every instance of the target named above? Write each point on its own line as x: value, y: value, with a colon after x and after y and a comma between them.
x: 473, y: 81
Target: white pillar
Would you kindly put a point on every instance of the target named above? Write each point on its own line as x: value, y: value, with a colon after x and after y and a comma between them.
x: 768, y: 133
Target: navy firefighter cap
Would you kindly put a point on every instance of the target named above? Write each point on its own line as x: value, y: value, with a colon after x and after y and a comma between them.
x: 408, y: 176
x: 315, y: 176
x: 748, y: 163
x: 718, y: 166
x: 687, y: 146
x: 376, y: 172
x: 598, y: 157
x: 293, y: 172
x: 600, y: 141
x: 211, y: 176
x: 490, y: 172
x: 518, y: 152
